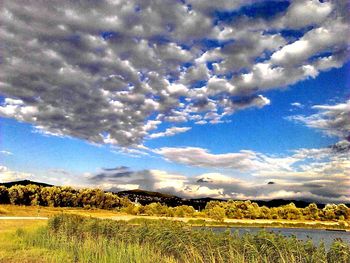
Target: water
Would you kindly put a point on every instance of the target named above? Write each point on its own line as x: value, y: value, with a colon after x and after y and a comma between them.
x: 315, y: 235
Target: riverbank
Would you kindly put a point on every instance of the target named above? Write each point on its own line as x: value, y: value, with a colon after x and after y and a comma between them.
x: 71, y: 238
x: 47, y: 212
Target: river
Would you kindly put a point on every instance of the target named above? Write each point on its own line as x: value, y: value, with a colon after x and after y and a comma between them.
x: 316, y: 235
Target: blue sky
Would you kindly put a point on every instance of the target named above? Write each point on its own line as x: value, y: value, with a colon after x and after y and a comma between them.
x: 191, y: 98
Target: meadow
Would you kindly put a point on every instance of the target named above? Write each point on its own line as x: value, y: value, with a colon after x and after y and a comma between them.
x: 74, y: 238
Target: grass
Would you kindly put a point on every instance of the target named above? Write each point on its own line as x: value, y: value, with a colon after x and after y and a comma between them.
x: 32, y: 243
x: 15, y: 210
x: 11, y: 249
x: 72, y: 238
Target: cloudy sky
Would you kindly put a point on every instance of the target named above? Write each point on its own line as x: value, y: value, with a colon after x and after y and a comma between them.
x: 234, y: 99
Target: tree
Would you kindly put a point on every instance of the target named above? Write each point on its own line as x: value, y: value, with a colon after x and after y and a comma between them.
x: 184, y: 211
x: 4, y: 195
x: 329, y: 211
x: 217, y: 213
x: 24, y: 195
x: 311, y: 212
x: 342, y: 211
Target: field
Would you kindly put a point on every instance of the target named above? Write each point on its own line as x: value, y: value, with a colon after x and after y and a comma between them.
x: 34, y: 211
x: 72, y: 238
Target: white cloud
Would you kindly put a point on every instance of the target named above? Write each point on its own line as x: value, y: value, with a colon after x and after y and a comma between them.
x: 169, y: 132
x: 333, y: 120
x: 104, y: 71
x: 330, y: 188
x: 305, y: 12
x: 7, y: 175
x: 243, y: 160
x: 297, y: 105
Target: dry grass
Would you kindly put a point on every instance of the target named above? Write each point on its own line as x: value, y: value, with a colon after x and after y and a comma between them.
x: 14, y: 210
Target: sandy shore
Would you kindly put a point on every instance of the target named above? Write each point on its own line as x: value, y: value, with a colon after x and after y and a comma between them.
x: 233, y: 221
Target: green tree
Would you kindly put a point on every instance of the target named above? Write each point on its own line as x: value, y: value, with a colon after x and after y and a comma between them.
x: 4, y: 195
x: 24, y: 195
x: 217, y: 213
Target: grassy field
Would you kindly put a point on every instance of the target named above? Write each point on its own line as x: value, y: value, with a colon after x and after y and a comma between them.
x: 71, y: 238
x: 29, y: 211
x: 11, y: 248
x: 15, y: 210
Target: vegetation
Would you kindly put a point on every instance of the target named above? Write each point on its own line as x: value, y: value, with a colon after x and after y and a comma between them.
x: 245, y: 210
x: 251, y: 210
x: 54, y: 196
x: 60, y: 197
x: 81, y: 239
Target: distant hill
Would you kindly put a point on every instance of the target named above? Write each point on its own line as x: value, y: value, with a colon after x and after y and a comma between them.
x: 24, y: 182
x: 145, y: 193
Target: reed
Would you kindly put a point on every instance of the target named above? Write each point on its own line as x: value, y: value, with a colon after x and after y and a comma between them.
x: 82, y: 239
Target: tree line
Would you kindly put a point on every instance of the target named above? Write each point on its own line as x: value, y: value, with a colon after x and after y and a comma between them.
x: 245, y: 210
x: 56, y: 196
x: 64, y: 196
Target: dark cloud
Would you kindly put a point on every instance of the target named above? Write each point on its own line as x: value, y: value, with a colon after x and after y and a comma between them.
x: 118, y: 168
x: 111, y: 174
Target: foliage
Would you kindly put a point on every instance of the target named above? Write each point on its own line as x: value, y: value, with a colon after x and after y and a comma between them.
x: 251, y: 210
x: 93, y: 240
x: 56, y: 196
x: 96, y: 198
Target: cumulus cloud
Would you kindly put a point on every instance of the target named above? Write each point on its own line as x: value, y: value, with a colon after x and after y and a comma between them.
x: 107, y: 72
x: 305, y: 13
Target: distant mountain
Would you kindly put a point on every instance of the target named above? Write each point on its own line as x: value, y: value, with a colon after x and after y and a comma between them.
x: 24, y: 182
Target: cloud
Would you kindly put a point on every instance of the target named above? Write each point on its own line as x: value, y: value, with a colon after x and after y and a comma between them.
x: 297, y: 105
x: 333, y: 120
x: 8, y: 175
x: 305, y: 13
x: 244, y: 160
x: 307, y: 173
x: 219, y: 185
x: 102, y: 71
x: 169, y: 132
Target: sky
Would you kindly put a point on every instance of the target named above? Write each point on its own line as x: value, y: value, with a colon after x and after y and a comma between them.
x: 197, y: 98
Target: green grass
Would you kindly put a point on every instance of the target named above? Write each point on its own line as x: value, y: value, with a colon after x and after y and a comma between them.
x: 11, y: 249
x: 74, y: 238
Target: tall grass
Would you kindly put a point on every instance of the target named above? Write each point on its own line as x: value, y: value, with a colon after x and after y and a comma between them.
x: 81, y: 239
